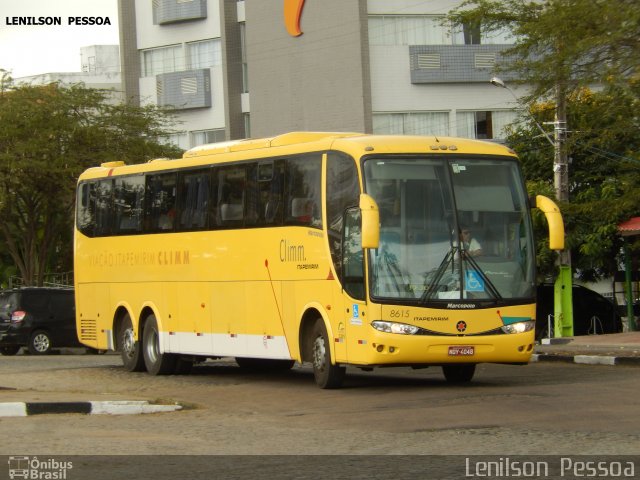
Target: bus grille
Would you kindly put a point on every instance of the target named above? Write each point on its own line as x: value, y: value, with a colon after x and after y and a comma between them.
x: 88, y: 331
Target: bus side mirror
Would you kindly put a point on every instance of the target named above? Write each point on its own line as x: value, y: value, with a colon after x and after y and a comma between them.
x: 554, y: 219
x: 370, y: 221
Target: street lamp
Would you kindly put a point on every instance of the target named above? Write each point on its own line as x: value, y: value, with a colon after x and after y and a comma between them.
x: 563, y: 286
x: 497, y: 82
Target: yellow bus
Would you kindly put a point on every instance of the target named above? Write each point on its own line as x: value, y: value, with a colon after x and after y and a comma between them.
x: 336, y: 249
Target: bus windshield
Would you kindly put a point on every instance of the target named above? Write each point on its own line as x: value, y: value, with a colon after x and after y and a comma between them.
x: 450, y: 229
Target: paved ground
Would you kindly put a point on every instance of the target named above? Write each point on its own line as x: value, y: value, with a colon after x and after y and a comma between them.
x: 612, y: 349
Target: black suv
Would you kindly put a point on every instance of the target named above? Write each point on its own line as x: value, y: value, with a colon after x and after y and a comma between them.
x: 37, y: 318
x: 592, y: 313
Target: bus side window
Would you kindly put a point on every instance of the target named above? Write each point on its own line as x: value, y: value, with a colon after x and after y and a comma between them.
x: 86, y: 209
x: 273, y: 200
x: 161, y: 202
x: 343, y: 191
x: 230, y: 196
x: 194, y: 199
x: 104, y: 208
x: 129, y: 204
x: 303, y: 191
x: 352, y: 255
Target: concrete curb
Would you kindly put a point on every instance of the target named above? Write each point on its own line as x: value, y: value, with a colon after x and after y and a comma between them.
x: 586, y: 359
x: 124, y: 407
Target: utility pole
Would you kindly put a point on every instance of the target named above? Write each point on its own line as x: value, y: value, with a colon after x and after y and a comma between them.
x: 563, y: 288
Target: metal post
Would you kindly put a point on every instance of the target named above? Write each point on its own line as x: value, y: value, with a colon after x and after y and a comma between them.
x: 631, y: 319
x: 564, y: 283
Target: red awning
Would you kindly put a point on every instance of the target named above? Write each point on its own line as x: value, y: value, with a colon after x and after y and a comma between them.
x: 630, y: 227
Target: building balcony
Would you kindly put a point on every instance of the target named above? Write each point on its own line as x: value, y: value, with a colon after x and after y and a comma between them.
x: 458, y: 63
x: 184, y: 90
x: 172, y: 11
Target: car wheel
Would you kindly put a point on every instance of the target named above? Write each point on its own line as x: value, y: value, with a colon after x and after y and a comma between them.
x: 40, y: 343
x: 10, y: 350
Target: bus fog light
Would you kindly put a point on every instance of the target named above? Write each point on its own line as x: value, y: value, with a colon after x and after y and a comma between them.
x: 392, y: 327
x: 519, y: 327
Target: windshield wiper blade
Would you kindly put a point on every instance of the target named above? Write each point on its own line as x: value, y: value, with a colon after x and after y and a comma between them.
x: 438, y: 275
x: 491, y: 287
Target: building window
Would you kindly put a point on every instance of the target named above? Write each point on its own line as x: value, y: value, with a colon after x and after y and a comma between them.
x: 484, y: 124
x: 245, y: 68
x: 408, y: 30
x: 474, y: 34
x: 204, y: 54
x: 203, y: 137
x: 430, y: 30
x: 411, y: 123
x: 162, y: 60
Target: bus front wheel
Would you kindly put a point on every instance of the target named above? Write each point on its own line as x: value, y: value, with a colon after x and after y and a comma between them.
x: 326, y: 374
x: 130, y: 348
x: 157, y: 363
x: 459, y: 372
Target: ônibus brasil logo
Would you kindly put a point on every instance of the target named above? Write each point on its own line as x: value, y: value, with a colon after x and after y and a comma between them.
x: 32, y: 468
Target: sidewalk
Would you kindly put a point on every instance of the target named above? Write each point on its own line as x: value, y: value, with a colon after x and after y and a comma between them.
x: 611, y: 349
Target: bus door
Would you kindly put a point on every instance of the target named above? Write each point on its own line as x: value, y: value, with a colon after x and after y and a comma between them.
x: 354, y: 305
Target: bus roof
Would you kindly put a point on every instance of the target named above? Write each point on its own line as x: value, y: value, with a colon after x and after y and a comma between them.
x: 355, y: 144
x: 377, y: 143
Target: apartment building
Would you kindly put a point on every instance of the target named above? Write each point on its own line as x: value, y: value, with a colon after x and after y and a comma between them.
x: 235, y: 69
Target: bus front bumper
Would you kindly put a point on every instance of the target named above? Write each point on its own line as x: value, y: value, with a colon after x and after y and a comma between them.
x: 388, y: 349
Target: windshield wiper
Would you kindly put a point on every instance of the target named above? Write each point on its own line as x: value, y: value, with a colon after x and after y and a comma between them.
x: 490, y: 286
x: 430, y: 290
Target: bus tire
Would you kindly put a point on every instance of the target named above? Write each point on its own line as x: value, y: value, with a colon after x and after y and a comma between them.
x: 326, y: 374
x: 459, y: 372
x: 130, y: 351
x: 157, y: 363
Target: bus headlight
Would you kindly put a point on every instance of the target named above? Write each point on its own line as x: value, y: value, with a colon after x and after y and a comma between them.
x: 519, y: 327
x: 392, y: 327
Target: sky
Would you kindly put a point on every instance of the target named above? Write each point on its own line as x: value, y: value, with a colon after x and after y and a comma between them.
x: 34, y: 49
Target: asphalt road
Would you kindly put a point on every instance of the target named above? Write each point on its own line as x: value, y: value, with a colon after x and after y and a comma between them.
x: 539, y: 409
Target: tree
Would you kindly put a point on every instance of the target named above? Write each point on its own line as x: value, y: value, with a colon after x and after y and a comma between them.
x: 563, y: 43
x: 48, y: 136
x: 605, y: 174
x: 561, y: 48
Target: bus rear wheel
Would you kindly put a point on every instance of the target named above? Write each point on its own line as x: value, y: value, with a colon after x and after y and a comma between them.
x: 157, y: 363
x: 130, y: 351
x: 326, y: 374
x: 459, y: 372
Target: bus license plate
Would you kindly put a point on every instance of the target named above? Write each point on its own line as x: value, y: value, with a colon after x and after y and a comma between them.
x: 461, y: 351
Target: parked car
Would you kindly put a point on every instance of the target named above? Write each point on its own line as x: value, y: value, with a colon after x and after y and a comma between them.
x: 592, y: 313
x: 37, y: 318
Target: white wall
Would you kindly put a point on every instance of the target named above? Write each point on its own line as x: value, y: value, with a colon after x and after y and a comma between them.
x: 150, y: 35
